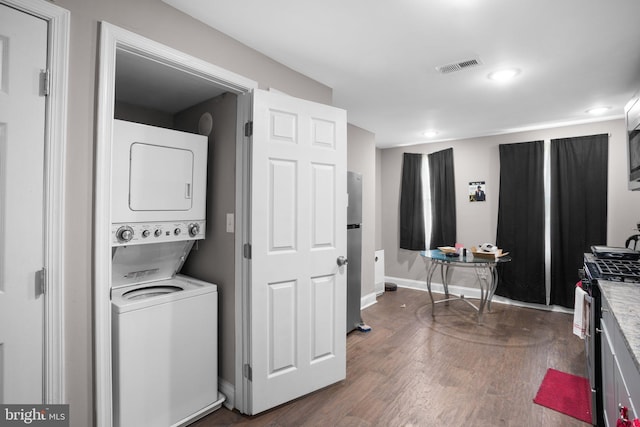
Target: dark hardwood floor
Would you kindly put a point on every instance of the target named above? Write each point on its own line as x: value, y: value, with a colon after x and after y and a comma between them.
x: 416, y: 370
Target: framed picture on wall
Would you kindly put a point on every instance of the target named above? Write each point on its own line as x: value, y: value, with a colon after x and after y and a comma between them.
x: 477, y: 191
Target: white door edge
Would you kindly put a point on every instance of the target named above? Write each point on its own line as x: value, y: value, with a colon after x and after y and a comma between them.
x: 111, y: 39
x: 56, y: 135
x: 243, y: 194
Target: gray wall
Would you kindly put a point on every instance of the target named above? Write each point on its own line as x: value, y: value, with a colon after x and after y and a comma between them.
x: 361, y: 152
x: 477, y: 159
x: 159, y: 22
x: 213, y: 259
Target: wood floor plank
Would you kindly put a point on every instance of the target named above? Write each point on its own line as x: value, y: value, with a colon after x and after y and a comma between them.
x: 414, y: 369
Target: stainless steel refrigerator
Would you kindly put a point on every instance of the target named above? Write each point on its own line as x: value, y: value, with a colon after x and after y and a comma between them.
x: 354, y: 250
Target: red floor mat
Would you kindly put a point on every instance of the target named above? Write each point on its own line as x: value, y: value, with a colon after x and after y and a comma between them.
x: 565, y: 393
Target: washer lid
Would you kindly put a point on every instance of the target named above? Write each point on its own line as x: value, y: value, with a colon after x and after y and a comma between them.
x: 149, y: 292
x: 147, y: 263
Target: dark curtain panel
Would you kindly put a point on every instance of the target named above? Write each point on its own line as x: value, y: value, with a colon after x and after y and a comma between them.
x: 412, y: 204
x: 521, y: 221
x: 443, y: 199
x: 578, y: 208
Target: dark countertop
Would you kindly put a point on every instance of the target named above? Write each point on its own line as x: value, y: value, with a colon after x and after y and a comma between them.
x: 624, y: 300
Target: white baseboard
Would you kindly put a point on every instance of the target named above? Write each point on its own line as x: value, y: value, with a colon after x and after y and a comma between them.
x: 438, y: 288
x: 229, y: 390
x: 368, y: 300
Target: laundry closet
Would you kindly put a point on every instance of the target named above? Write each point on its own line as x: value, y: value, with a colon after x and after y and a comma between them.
x: 172, y: 244
x: 274, y: 230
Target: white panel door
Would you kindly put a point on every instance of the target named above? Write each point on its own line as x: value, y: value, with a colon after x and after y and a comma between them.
x: 298, y: 232
x: 23, y: 55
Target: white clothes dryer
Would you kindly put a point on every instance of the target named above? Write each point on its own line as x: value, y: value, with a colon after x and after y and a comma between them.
x: 164, y: 339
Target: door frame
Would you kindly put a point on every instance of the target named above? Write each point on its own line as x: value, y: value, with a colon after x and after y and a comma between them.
x: 58, y: 20
x: 113, y: 38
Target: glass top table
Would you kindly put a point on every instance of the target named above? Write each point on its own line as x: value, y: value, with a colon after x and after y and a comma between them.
x: 486, y: 276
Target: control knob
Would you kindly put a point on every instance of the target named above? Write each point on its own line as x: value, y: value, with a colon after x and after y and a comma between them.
x: 177, y: 231
x: 146, y: 233
x: 194, y: 229
x: 124, y: 234
x: 157, y: 233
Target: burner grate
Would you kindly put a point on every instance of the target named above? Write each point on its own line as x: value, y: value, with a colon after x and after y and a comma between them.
x: 616, y: 268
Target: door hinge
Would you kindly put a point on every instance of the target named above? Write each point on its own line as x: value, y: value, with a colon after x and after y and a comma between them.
x: 41, y: 279
x: 45, y: 82
x: 248, y: 129
x: 247, y: 250
x: 248, y: 374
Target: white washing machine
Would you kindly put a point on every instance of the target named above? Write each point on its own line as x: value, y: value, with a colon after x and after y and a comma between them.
x: 165, y: 340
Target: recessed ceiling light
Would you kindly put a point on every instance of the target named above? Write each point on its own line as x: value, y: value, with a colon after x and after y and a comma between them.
x: 504, y: 75
x: 596, y: 111
x: 430, y: 133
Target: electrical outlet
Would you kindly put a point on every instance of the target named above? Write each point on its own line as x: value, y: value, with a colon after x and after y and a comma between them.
x: 230, y: 221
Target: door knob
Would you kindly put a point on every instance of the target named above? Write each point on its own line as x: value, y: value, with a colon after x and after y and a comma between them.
x: 342, y: 261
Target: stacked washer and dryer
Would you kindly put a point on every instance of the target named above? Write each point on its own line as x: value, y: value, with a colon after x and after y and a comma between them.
x: 164, y: 325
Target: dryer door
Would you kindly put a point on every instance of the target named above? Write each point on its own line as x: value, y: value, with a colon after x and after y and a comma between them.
x: 161, y: 178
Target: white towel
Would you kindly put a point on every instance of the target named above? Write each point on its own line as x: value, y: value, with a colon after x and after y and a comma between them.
x: 586, y: 315
x: 579, y: 311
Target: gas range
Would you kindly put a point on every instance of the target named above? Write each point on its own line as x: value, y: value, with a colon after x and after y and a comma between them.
x: 615, y: 270
x: 612, y: 265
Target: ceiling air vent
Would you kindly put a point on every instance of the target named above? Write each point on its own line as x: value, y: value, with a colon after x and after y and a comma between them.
x: 458, y: 66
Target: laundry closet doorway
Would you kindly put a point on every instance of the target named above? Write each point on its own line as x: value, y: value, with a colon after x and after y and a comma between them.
x: 118, y: 46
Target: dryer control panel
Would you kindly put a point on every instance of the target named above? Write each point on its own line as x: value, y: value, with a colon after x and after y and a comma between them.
x: 123, y: 234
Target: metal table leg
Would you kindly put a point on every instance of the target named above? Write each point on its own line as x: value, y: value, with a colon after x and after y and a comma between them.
x: 494, y: 284
x: 446, y: 278
x: 485, y: 287
x: 430, y: 270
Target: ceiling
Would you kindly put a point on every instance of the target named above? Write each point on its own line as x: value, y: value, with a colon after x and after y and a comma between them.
x: 381, y: 58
